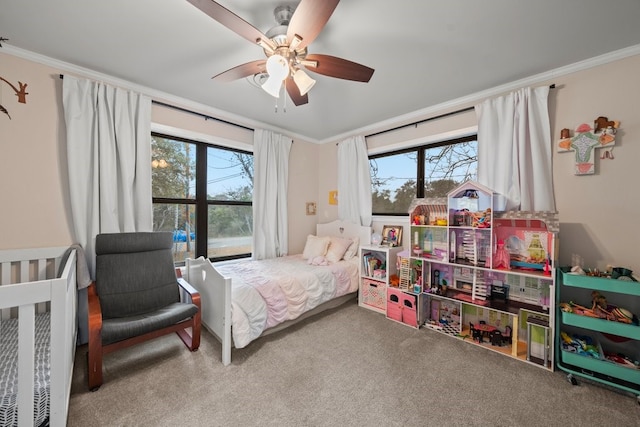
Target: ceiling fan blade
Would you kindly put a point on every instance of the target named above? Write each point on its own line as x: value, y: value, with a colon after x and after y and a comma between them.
x: 339, y: 68
x: 309, y: 19
x: 229, y: 20
x: 294, y: 92
x: 244, y: 70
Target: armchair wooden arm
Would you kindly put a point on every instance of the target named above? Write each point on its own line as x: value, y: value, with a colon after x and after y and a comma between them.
x: 192, y: 341
x: 95, y: 338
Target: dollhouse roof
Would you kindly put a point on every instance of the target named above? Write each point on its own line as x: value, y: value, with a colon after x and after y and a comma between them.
x: 425, y: 206
x: 469, y: 185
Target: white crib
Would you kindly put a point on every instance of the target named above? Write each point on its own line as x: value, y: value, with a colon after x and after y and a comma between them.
x: 35, y: 282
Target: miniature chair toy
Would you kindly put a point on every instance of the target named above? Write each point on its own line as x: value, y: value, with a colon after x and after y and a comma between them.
x: 137, y: 297
x: 476, y: 334
x: 496, y: 338
x: 506, y: 337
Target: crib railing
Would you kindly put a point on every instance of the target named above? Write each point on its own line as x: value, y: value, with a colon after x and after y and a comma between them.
x: 31, y: 282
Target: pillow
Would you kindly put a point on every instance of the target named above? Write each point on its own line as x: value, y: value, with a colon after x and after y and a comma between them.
x: 315, y: 246
x: 352, y: 250
x: 337, y: 247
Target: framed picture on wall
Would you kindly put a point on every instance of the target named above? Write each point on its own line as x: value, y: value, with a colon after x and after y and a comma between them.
x: 392, y: 235
x: 311, y: 208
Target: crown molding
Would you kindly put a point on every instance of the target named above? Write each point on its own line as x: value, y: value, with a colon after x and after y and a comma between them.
x: 421, y: 114
x: 156, y: 95
x: 477, y: 97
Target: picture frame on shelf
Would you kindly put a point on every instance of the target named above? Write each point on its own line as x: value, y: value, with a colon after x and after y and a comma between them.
x: 392, y: 235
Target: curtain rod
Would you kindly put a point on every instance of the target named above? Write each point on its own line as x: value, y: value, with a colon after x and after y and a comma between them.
x: 464, y: 110
x: 184, y: 110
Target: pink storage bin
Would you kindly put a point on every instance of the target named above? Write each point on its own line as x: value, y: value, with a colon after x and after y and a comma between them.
x: 373, y: 293
x: 394, y: 304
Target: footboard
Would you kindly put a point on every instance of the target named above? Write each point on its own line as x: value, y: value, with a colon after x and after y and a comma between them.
x: 215, y: 296
x: 38, y: 281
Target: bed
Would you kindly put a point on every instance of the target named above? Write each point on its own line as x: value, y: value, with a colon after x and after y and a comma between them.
x: 244, y: 300
x: 38, y: 303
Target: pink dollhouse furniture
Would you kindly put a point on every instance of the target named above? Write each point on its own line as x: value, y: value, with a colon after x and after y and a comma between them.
x: 410, y: 310
x: 394, y: 304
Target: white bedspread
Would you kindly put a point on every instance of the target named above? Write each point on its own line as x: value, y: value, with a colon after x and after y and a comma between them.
x: 268, y: 292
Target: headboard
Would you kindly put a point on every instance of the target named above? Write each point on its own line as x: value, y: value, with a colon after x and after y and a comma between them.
x: 345, y: 229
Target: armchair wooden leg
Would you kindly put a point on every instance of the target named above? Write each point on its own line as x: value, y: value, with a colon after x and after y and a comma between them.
x: 94, y: 364
x: 192, y: 341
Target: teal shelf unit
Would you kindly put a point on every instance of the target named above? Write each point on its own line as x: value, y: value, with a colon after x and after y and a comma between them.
x: 609, y: 335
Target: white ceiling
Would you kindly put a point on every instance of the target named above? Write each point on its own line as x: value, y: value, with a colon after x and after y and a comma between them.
x: 425, y: 52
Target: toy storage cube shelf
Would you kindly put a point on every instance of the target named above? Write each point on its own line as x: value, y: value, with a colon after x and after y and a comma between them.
x: 609, y: 337
x: 377, y: 265
x: 486, y: 272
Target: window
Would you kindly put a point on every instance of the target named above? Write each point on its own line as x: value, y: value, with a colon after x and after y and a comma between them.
x: 202, y: 193
x: 425, y: 171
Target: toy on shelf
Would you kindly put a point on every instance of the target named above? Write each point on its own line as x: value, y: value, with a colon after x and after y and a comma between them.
x: 600, y: 310
x: 501, y: 258
x: 482, y: 219
x: 579, y: 344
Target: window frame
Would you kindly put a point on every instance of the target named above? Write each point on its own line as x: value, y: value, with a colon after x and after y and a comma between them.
x: 420, y: 167
x: 201, y: 200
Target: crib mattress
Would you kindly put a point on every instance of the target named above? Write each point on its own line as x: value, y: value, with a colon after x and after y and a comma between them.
x: 9, y: 371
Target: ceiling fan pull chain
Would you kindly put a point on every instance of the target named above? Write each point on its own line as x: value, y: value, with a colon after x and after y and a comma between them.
x: 284, y: 102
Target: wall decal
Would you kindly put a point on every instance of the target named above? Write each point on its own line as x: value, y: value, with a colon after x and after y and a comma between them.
x: 333, y: 197
x: 21, y: 93
x: 585, y: 141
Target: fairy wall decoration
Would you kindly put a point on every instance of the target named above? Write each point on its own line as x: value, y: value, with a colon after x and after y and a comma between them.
x: 586, y: 140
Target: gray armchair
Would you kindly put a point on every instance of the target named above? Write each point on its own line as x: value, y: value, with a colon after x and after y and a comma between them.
x: 136, y: 297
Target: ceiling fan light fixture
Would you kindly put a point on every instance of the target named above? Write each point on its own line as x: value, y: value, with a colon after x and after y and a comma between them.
x: 267, y: 45
x: 303, y: 81
x: 278, y: 69
x: 295, y: 42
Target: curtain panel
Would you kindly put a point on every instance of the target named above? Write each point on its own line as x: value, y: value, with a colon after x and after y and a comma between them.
x: 109, y: 165
x: 270, y: 187
x: 514, y: 149
x: 354, y: 182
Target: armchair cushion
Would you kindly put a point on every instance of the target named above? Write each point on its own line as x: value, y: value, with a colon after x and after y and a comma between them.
x: 136, y: 273
x: 114, y: 330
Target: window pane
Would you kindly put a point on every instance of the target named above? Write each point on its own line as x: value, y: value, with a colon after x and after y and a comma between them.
x: 181, y: 220
x: 230, y: 230
x: 393, y: 182
x: 448, y: 166
x: 173, y: 168
x: 229, y: 175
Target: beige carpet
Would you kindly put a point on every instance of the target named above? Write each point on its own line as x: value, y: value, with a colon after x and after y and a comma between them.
x: 347, y: 367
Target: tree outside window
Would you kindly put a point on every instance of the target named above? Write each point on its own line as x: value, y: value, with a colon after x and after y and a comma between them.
x: 203, y: 194
x: 433, y: 170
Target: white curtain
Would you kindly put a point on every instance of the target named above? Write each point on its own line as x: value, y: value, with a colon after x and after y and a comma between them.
x: 109, y: 161
x: 514, y: 149
x: 354, y: 181
x: 270, y: 186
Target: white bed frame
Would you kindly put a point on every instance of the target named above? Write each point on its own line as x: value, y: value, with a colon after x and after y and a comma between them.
x: 215, y: 289
x: 30, y: 284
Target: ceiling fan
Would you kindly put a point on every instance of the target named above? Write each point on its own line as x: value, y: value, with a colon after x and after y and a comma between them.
x: 286, y: 48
